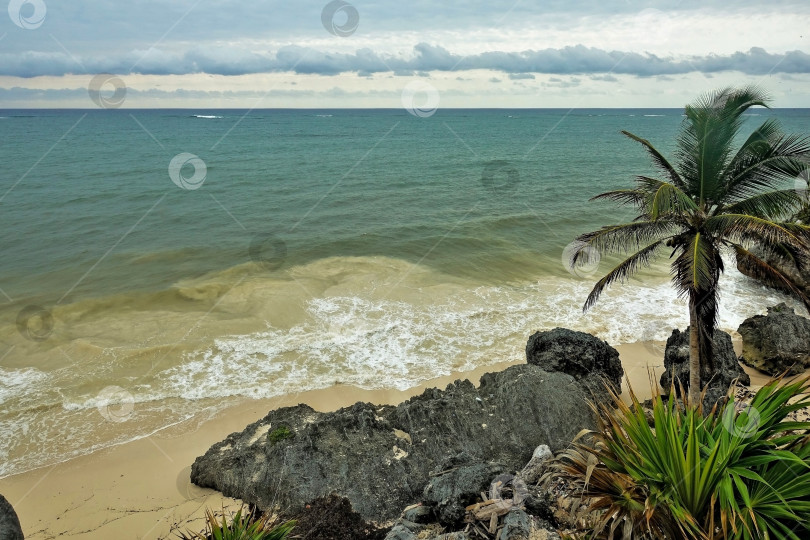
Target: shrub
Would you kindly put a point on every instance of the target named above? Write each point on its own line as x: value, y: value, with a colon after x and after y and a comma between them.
x: 739, y: 472
x: 279, y: 434
x: 243, y: 526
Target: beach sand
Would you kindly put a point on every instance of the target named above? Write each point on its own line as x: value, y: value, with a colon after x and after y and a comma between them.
x: 140, y: 490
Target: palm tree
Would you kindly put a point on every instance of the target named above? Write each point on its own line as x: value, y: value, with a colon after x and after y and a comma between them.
x: 712, y: 200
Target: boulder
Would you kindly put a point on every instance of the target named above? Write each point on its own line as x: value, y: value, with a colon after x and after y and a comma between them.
x: 583, y: 356
x: 727, y: 368
x: 380, y: 457
x: 451, y: 492
x: 776, y: 342
x: 9, y: 522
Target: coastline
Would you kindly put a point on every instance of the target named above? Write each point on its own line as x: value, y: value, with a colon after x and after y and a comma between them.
x: 140, y: 489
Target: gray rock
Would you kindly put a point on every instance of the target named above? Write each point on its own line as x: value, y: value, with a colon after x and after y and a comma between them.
x: 516, y: 525
x: 727, y: 368
x: 9, y: 522
x: 776, y: 342
x: 451, y: 493
x: 418, y: 514
x: 581, y: 355
x: 404, y: 530
x: 536, y: 466
x: 380, y: 457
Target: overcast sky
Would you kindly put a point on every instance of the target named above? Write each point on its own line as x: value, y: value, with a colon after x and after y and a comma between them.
x: 363, y: 53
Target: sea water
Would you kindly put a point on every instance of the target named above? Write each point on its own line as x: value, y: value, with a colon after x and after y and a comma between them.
x: 160, y: 265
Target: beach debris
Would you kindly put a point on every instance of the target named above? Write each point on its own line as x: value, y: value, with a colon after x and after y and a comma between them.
x: 507, y: 493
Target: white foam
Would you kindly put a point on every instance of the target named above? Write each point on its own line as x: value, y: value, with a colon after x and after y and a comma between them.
x: 381, y: 343
x: 18, y: 382
x: 206, y: 116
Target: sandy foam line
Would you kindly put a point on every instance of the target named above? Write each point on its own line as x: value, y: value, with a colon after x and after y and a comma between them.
x: 140, y: 490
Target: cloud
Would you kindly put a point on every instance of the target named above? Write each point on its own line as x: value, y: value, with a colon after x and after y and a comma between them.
x: 520, y: 76
x: 573, y: 60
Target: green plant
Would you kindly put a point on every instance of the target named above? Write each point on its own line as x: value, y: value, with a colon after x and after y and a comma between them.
x: 738, y: 472
x: 243, y: 526
x: 714, y: 197
x: 279, y: 434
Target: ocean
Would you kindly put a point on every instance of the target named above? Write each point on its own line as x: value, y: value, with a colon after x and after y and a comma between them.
x: 160, y: 265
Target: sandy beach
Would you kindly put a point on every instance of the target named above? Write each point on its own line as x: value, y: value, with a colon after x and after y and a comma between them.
x: 140, y: 490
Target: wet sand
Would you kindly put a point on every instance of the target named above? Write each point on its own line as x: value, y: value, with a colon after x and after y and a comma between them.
x: 140, y: 490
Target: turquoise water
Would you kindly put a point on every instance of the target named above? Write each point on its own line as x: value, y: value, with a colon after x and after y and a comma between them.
x: 369, y: 247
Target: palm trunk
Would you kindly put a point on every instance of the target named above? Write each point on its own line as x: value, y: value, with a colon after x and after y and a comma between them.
x: 694, y: 356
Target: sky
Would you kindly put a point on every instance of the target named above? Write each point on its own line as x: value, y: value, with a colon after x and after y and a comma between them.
x: 365, y: 53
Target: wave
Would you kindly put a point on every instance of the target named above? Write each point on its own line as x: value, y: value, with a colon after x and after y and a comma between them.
x: 205, y: 116
x: 654, y: 115
x: 370, y: 322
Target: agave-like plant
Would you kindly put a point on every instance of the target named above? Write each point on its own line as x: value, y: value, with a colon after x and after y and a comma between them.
x: 738, y: 472
x: 243, y: 526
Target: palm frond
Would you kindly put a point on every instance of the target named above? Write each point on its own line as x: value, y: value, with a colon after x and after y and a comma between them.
x: 624, y: 271
x: 624, y: 238
x: 761, y: 270
x: 769, y: 205
x: 695, y: 269
x: 658, y: 159
x: 622, y: 196
x: 669, y: 201
x: 742, y: 227
x: 780, y: 162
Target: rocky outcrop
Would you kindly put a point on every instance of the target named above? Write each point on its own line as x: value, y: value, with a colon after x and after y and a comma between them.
x: 9, y: 522
x: 380, y: 457
x: 583, y: 356
x: 777, y: 342
x: 726, y: 367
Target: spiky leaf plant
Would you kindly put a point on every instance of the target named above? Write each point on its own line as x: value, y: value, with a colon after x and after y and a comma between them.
x: 244, y: 525
x: 738, y: 472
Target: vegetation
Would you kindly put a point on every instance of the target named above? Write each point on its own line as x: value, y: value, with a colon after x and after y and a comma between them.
x: 710, y: 200
x: 740, y: 472
x: 279, y: 434
x: 243, y: 526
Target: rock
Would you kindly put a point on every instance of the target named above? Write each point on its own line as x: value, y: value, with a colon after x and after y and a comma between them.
x: 380, y: 457
x: 581, y: 355
x: 451, y: 493
x: 541, y: 504
x: 516, y: 525
x: 776, y: 342
x: 404, y: 529
x: 536, y: 466
x: 9, y: 522
x: 332, y: 518
x: 461, y: 535
x: 418, y: 514
x: 727, y: 368
x: 400, y: 532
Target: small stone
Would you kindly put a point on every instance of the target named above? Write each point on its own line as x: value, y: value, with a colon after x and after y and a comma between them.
x: 418, y: 514
x: 516, y: 525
